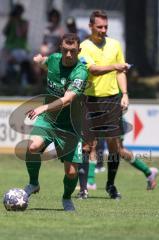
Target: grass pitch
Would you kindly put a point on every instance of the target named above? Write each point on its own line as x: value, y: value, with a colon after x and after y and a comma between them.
x: 135, y: 217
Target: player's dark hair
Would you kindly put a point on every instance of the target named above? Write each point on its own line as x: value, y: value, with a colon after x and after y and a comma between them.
x: 70, y: 38
x: 97, y: 13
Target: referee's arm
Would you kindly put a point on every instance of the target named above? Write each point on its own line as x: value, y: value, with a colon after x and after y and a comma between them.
x: 100, y: 70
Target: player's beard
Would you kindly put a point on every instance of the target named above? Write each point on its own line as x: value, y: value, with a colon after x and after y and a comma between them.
x: 69, y: 62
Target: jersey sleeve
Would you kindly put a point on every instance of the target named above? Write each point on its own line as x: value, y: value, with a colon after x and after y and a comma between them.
x: 50, y: 57
x: 87, y: 60
x: 78, y: 81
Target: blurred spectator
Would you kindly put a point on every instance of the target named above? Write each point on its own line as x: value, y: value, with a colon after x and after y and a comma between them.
x: 15, y: 53
x: 72, y: 28
x: 52, y: 33
x: 16, y: 29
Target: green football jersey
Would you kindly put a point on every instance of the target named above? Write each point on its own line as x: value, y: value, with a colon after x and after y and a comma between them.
x: 60, y: 79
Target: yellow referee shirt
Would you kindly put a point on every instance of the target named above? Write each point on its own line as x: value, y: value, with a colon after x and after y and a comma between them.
x: 110, y: 53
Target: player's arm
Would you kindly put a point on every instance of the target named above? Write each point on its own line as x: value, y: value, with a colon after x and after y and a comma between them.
x: 100, y: 70
x: 40, y: 60
x: 122, y: 82
x: 97, y: 70
x: 54, y: 106
x: 62, y: 102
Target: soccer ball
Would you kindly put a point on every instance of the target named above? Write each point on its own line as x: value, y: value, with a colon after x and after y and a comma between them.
x: 15, y: 200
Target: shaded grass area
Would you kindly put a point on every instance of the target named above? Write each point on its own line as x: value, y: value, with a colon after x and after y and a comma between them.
x: 135, y: 217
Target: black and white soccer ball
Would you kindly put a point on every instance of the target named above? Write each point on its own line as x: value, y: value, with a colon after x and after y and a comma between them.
x: 15, y: 200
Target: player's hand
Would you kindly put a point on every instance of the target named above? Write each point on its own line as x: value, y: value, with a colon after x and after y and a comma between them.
x: 121, y: 67
x: 38, y: 58
x: 125, y: 101
x: 33, y: 113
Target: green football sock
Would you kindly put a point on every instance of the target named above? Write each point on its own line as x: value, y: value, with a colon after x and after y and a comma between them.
x: 69, y: 186
x: 33, y: 164
x: 91, y: 172
x: 140, y: 165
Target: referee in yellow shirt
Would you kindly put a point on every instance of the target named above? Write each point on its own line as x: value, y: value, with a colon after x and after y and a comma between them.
x: 104, y: 59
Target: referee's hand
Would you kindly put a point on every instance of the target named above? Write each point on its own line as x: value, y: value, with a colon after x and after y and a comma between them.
x: 125, y: 102
x: 121, y: 67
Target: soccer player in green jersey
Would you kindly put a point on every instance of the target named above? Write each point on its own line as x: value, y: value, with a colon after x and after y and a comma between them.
x: 66, y: 80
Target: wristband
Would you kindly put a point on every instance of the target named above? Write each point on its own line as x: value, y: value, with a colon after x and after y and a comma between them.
x: 125, y: 93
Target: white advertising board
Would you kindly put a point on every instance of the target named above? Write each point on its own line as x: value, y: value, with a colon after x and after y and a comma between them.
x: 144, y: 136
x: 8, y: 137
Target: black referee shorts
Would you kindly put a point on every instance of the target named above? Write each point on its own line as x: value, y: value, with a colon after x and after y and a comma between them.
x: 102, y: 117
